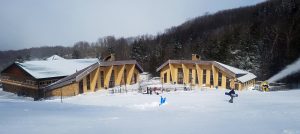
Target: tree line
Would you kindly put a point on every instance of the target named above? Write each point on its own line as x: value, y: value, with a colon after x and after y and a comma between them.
x: 262, y: 38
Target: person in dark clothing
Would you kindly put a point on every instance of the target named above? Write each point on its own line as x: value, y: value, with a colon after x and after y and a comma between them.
x: 231, y: 93
x: 150, y: 91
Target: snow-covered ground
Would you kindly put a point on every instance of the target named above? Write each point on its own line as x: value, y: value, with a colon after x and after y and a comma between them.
x: 186, y: 112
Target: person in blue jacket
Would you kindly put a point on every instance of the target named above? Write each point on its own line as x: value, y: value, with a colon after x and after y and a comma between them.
x: 162, y: 100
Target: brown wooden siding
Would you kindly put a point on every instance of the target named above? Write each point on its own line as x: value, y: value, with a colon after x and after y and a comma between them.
x: 14, y: 70
x: 68, y: 90
x: 20, y: 90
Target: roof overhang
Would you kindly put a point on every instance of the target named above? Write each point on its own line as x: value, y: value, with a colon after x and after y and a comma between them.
x: 194, y: 62
x: 124, y: 62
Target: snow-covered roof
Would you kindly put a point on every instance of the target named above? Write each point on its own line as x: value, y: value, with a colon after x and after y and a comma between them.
x: 55, y: 57
x: 233, y: 69
x: 245, y: 75
x: 55, y: 68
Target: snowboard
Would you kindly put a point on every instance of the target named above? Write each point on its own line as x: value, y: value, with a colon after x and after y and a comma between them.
x: 233, y: 95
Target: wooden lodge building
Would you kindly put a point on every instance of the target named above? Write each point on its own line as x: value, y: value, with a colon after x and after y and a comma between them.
x: 205, y: 74
x: 100, y: 75
x: 67, y: 77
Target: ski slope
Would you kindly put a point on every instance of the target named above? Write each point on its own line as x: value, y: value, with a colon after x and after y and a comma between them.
x: 186, y: 112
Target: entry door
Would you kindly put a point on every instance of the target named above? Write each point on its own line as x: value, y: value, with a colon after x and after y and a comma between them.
x: 236, y: 86
x: 180, y: 76
x: 81, y: 87
x: 228, y: 83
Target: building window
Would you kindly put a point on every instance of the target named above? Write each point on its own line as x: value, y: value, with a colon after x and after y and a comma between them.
x: 170, y: 78
x: 53, y: 81
x: 165, y: 78
x: 204, y: 76
x: 134, y: 78
x: 220, y: 79
x: 43, y: 83
x: 196, y: 81
x: 211, y: 78
x: 112, y: 79
x: 102, y: 78
x: 180, y: 76
x: 190, y: 76
x: 125, y: 76
x: 81, y: 86
x: 88, y: 82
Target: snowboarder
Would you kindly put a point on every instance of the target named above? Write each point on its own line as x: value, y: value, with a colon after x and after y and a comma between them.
x: 232, y: 94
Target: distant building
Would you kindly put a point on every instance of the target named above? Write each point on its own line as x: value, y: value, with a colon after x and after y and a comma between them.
x: 205, y: 74
x: 56, y: 76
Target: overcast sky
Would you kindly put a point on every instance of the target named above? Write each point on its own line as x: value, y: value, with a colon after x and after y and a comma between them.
x: 32, y: 23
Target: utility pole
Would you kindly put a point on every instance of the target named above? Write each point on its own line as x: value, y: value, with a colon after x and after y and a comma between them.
x: 192, y: 84
x: 162, y: 84
x: 61, y: 95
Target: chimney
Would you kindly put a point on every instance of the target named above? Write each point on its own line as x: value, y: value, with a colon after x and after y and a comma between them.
x: 111, y: 57
x: 196, y: 57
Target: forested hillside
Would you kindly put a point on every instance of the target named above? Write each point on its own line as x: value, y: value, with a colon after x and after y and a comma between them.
x: 262, y: 38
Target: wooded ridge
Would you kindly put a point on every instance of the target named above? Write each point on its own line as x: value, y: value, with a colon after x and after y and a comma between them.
x: 262, y: 38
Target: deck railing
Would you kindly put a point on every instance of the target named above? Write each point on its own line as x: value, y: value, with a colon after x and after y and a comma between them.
x: 18, y: 81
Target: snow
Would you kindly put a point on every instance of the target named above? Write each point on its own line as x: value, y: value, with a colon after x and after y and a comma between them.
x: 247, y: 77
x: 196, y: 111
x: 55, y: 68
x: 55, y: 57
x: 144, y: 76
x: 233, y: 69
